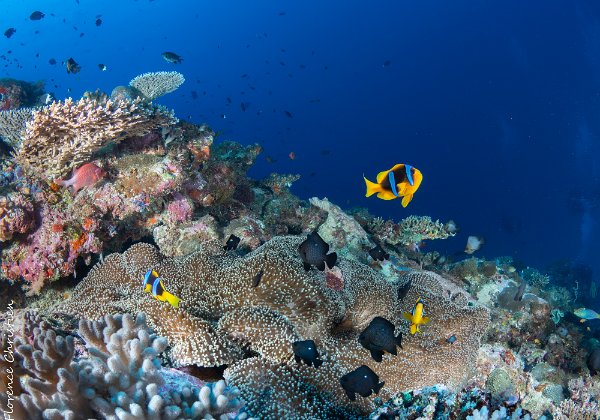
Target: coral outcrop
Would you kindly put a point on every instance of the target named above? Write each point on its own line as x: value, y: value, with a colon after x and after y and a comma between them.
x: 12, y: 125
x: 64, y: 135
x: 119, y: 376
x: 224, y: 319
x: 155, y: 84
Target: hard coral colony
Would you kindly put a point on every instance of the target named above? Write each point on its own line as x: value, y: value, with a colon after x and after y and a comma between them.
x: 213, y: 294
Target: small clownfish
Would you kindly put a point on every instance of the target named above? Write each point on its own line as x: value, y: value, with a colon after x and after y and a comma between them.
x: 153, y: 283
x: 400, y: 181
x: 416, y: 318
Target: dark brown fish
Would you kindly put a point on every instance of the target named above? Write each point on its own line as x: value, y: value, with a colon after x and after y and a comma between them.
x: 72, y: 66
x: 231, y: 243
x: 313, y: 251
x: 520, y: 291
x: 593, y: 362
x: 362, y: 381
x: 306, y: 351
x: 257, y: 278
x: 379, y: 337
x: 9, y: 32
x: 99, y: 22
x: 37, y: 15
x: 378, y: 253
x: 403, y: 290
x: 171, y: 57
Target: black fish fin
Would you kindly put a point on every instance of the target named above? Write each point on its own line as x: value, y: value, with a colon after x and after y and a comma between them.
x: 377, y: 355
x: 350, y: 395
x: 386, y: 256
x: 378, y: 387
x: 317, y: 362
x: 297, y: 358
x: 331, y: 259
x: 321, y: 265
x: 399, y: 340
x: 392, y: 349
x: 306, y: 266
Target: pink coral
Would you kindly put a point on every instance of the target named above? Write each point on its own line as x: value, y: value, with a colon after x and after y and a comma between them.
x: 180, y: 209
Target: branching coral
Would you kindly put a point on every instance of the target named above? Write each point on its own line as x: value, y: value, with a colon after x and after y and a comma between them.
x: 287, y: 304
x: 120, y: 378
x: 66, y: 134
x: 409, y: 231
x: 12, y: 125
x: 156, y: 84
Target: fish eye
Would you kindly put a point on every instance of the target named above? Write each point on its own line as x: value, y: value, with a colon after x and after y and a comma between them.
x: 310, y: 348
x: 365, y: 376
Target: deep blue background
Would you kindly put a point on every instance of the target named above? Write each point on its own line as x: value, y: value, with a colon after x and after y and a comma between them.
x: 496, y: 102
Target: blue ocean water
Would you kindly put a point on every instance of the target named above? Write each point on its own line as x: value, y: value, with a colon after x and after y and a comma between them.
x: 497, y: 103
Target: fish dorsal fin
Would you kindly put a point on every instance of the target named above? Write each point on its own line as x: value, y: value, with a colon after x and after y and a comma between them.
x: 381, y: 176
x: 407, y: 316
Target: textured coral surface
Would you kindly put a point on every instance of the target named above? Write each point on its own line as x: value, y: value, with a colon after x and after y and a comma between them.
x: 222, y: 319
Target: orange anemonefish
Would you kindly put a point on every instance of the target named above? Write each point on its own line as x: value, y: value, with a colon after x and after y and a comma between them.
x: 400, y: 181
x: 153, y: 283
x: 416, y: 318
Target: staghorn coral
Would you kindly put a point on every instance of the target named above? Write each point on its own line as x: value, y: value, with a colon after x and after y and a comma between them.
x: 155, y: 84
x: 534, y: 278
x: 66, y: 134
x: 12, y: 125
x: 221, y: 315
x: 120, y: 377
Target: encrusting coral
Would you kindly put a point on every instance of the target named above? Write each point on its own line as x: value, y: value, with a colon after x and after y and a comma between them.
x: 221, y: 315
x: 155, y: 84
x: 121, y: 376
x: 64, y: 135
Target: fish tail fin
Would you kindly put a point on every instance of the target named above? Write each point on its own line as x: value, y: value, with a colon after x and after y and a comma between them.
x: 372, y: 187
x: 378, y: 387
x: 330, y: 259
x: 172, y: 299
x: 414, y: 329
x: 399, y: 340
x: 425, y: 320
x: 406, y: 200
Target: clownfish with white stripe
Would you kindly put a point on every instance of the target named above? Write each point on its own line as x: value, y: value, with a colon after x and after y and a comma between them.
x: 153, y: 284
x: 400, y: 181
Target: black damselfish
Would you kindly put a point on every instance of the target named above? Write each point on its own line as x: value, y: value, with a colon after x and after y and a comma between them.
x: 378, y: 253
x: 231, y: 243
x: 379, y: 337
x: 306, y: 351
x: 362, y: 381
x: 313, y: 251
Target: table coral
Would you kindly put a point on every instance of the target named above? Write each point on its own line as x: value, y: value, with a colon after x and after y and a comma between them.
x: 289, y: 303
x: 87, y: 125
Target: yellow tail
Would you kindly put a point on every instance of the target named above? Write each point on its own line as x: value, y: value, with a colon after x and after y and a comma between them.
x: 413, y: 329
x: 372, y: 187
x: 172, y: 299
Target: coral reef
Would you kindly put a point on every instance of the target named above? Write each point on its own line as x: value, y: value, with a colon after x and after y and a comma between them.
x: 156, y: 84
x: 289, y: 302
x: 13, y: 124
x: 16, y: 94
x: 118, y: 375
x: 16, y: 215
x: 64, y: 135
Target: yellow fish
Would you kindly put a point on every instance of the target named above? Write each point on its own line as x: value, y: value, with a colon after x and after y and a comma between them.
x: 400, y: 181
x: 153, y: 283
x: 416, y: 318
